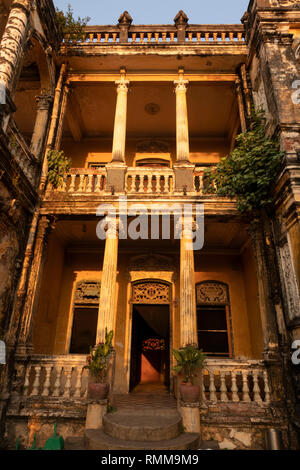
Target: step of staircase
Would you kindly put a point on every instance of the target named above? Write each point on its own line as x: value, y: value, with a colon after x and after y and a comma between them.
x: 144, y: 425
x: 98, y: 440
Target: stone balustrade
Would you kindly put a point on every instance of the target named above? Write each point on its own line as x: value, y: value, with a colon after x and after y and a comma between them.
x: 84, y: 181
x: 229, y: 381
x: 223, y: 380
x: 138, y: 180
x: 162, y: 34
x: 142, y: 180
x: 56, y: 377
x: 21, y: 153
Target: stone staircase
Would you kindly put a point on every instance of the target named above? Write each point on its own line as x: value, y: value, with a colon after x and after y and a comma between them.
x: 145, y: 429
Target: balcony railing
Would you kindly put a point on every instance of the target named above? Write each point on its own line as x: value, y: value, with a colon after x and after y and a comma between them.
x: 149, y: 181
x: 21, y: 153
x: 138, y: 180
x: 64, y: 377
x: 56, y: 376
x: 152, y: 35
x: 84, y: 181
x: 235, y: 382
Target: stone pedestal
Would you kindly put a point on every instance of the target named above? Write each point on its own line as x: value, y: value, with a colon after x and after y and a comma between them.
x: 115, y: 177
x: 184, y: 177
x: 190, y: 414
x: 95, y: 413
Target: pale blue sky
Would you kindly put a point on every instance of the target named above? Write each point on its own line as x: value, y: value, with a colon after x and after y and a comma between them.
x: 158, y: 11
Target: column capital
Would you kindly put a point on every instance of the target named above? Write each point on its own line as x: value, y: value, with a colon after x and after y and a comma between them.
x: 44, y: 101
x: 123, y: 83
x: 181, y: 84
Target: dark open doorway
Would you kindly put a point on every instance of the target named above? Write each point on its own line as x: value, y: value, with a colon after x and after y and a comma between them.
x: 150, y: 345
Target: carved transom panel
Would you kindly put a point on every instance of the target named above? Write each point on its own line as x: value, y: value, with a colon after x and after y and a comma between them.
x: 151, y: 293
x: 87, y: 292
x: 211, y: 293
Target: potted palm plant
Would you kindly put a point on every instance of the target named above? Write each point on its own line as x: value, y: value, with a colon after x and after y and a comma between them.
x: 98, y: 366
x: 189, y: 360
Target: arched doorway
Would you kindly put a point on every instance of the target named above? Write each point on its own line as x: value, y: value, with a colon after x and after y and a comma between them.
x: 150, y: 338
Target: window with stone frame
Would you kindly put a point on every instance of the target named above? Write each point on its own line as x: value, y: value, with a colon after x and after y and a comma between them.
x: 213, y: 319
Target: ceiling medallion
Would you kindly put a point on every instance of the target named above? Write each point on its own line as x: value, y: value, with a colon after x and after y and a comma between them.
x: 152, y: 108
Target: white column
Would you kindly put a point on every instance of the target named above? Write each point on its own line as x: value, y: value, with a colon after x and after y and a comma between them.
x: 182, y: 127
x: 119, y: 139
x: 107, y: 302
x: 13, y: 40
x: 188, y: 316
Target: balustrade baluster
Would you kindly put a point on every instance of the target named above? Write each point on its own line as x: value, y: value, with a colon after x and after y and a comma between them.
x: 56, y: 390
x: 223, y: 36
x: 142, y: 35
x: 26, y: 381
x: 256, y: 389
x: 133, y: 37
x: 212, y: 387
x: 67, y: 390
x: 90, y: 179
x: 149, y: 37
x: 172, y: 37
x: 234, y: 388
x: 99, y: 37
x: 141, y: 187
x: 215, y: 37
x: 231, y: 37
x: 223, y: 388
x: 267, y: 388
x: 164, y: 37
x: 245, y: 388
x: 36, y: 383
x: 114, y: 36
x: 47, y: 383
x: 72, y: 184
x: 106, y: 37
x: 79, y: 372
x: 81, y: 183
x: 207, y: 37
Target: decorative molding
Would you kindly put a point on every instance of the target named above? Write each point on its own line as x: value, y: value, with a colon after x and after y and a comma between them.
x: 152, y: 146
x: 87, y: 292
x: 151, y: 292
x: 212, y: 293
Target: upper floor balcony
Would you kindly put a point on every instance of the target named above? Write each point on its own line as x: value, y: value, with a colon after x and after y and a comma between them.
x: 179, y: 34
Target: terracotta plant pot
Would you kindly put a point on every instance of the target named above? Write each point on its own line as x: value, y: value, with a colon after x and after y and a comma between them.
x: 98, y: 391
x: 189, y: 393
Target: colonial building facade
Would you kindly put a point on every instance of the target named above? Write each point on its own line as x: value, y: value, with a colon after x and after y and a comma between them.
x: 142, y: 111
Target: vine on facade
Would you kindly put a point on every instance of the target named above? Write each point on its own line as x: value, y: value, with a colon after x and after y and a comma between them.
x: 249, y: 172
x: 58, y: 166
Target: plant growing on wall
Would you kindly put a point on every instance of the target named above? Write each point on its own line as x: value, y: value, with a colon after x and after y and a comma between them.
x: 250, y: 170
x: 58, y: 166
x: 71, y: 29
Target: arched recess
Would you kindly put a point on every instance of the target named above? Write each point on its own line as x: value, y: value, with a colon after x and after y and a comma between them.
x: 214, y: 321
x: 36, y: 78
x: 150, y: 342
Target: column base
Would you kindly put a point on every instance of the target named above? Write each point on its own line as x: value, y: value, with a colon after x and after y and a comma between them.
x: 184, y: 177
x: 115, y: 182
